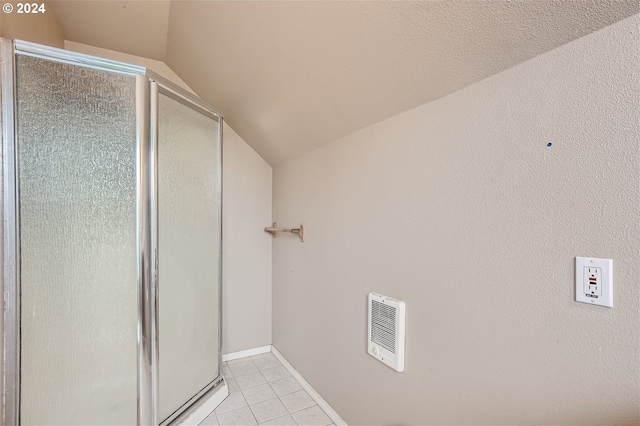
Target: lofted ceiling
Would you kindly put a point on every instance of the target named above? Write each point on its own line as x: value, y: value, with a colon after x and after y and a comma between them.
x: 291, y: 76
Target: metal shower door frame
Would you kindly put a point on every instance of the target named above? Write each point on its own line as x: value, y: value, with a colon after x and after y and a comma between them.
x: 148, y: 85
x: 159, y: 85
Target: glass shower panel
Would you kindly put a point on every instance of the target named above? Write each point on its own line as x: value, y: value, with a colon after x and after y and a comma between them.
x: 77, y: 211
x: 188, y: 253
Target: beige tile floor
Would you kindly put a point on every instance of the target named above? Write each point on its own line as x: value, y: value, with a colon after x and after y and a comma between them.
x: 263, y: 392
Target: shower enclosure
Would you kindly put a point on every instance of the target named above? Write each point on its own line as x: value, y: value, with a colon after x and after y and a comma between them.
x: 112, y: 238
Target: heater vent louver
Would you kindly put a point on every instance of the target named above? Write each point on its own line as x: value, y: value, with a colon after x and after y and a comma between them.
x: 387, y: 330
x: 383, y: 325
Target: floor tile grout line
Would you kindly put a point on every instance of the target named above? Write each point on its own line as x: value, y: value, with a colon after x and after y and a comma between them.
x: 270, y: 387
x: 240, y: 389
x: 274, y: 391
x: 240, y: 362
x: 254, y: 413
x: 288, y: 393
x: 302, y: 409
x: 314, y: 405
x: 279, y: 397
x: 285, y: 415
x: 239, y: 408
x: 329, y: 411
x: 289, y: 412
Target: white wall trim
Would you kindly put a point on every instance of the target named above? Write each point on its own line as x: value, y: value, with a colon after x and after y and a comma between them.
x: 310, y: 390
x: 248, y: 352
x: 206, y: 407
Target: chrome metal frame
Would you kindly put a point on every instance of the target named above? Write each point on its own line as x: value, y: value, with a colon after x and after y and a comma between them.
x: 73, y: 58
x: 183, y: 96
x: 11, y: 265
x: 148, y: 85
x: 219, y: 189
x: 146, y: 414
x: 153, y: 191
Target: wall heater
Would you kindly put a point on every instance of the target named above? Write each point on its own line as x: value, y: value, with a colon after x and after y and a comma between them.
x: 387, y: 330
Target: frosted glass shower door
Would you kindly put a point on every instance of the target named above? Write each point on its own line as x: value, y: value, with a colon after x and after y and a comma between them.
x: 76, y: 150
x: 188, y: 209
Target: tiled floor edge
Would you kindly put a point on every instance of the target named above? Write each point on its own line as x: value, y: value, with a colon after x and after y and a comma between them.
x: 310, y: 390
x: 248, y: 352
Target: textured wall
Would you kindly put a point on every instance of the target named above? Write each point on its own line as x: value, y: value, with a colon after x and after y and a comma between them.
x: 459, y: 208
x: 246, y: 249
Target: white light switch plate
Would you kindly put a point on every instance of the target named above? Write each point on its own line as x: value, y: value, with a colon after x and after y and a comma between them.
x: 594, y: 281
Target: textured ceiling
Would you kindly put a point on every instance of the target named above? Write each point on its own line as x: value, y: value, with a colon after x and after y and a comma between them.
x: 292, y: 76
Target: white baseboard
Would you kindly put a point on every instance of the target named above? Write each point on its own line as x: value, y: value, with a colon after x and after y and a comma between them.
x: 249, y: 352
x: 206, y: 407
x: 310, y: 390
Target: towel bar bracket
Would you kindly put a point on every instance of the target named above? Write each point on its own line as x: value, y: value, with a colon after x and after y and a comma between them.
x: 273, y: 230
